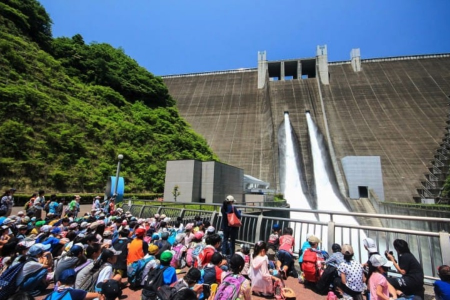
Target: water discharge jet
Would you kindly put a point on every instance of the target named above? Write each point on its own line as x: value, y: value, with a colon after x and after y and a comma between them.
x: 327, y: 193
x: 291, y: 183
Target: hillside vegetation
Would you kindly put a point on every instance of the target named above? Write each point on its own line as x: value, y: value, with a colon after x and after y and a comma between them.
x: 67, y: 109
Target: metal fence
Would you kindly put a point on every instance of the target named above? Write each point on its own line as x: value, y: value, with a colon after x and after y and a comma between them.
x: 432, y: 249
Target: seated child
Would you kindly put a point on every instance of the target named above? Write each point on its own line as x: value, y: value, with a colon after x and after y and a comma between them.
x: 262, y: 280
x: 212, y: 273
x: 285, y: 262
x: 244, y: 252
x: 273, y: 243
x: 442, y: 287
x: 213, y: 242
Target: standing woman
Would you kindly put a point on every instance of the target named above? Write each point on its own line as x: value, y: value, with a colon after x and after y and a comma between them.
x: 228, y: 231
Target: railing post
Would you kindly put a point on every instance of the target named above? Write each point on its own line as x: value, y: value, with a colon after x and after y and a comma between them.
x: 213, y: 216
x: 445, y: 247
x: 181, y: 215
x: 258, y: 227
x: 331, y: 235
x: 159, y: 210
x: 140, y: 212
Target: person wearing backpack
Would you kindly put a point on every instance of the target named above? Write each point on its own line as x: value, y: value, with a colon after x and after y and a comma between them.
x: 233, y: 284
x: 179, y: 249
x: 163, y: 244
x: 212, y: 273
x: 121, y: 244
x: 229, y: 232
x: 137, y: 249
x: 212, y: 245
x: 73, y: 258
x: 189, y: 281
x: 65, y: 285
x: 311, y: 264
x: 32, y: 277
x: 162, y: 275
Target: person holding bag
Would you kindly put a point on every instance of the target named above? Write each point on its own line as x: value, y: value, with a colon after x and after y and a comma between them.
x: 230, y: 225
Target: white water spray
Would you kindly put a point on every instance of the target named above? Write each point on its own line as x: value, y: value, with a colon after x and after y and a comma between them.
x: 326, y: 196
x: 293, y: 190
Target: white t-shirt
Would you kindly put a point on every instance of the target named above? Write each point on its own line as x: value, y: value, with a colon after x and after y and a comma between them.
x: 105, y: 274
x: 353, y: 274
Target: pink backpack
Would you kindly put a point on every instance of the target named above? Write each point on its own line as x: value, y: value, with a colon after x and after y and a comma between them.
x: 177, y: 260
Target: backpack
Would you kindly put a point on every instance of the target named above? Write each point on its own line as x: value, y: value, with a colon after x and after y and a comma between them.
x: 90, y: 280
x: 172, y: 237
x: 229, y: 288
x: 177, y: 260
x: 135, y: 271
x: 166, y: 292
x: 198, y: 248
x: 155, y: 279
x: 56, y: 296
x: 8, y: 280
x: 311, y: 266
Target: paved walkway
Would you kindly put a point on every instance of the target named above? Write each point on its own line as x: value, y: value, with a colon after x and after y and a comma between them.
x: 300, y: 291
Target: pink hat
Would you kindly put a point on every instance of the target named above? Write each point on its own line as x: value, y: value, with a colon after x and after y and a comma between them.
x: 199, y: 235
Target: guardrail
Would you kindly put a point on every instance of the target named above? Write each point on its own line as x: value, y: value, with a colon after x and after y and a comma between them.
x: 432, y: 249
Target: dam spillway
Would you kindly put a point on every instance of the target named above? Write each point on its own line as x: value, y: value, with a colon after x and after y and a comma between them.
x: 393, y: 108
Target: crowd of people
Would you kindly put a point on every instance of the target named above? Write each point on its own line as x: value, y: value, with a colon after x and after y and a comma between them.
x: 89, y: 256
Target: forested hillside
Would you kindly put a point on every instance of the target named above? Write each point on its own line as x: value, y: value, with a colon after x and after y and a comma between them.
x: 68, y: 108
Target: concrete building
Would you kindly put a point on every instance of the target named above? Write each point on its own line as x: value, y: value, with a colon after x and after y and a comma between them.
x: 205, y: 182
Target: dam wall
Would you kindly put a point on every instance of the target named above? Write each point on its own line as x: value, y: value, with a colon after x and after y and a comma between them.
x: 233, y: 116
x: 395, y: 108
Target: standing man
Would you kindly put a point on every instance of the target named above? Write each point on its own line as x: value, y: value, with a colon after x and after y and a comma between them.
x: 39, y: 203
x: 11, y: 201
x: 96, y: 204
x: 74, y: 206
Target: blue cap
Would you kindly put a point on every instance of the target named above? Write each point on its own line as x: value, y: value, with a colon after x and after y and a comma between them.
x: 155, y: 236
x: 76, y: 250
x: 37, y: 249
x: 68, y: 276
x: 276, y: 227
x: 56, y: 230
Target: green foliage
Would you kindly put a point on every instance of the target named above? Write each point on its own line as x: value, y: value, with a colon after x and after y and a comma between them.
x: 446, y: 188
x: 102, y: 64
x: 64, y: 118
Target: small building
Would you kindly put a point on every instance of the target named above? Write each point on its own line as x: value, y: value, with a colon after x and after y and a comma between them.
x: 203, y: 182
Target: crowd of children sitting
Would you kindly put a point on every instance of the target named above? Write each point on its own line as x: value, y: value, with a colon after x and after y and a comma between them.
x: 89, y: 257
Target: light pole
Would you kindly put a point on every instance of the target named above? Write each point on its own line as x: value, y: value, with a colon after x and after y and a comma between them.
x: 120, y: 157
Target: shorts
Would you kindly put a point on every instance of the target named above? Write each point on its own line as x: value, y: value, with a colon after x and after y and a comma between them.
x: 285, y: 258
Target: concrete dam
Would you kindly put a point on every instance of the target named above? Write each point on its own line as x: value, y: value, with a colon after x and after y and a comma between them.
x: 384, y: 120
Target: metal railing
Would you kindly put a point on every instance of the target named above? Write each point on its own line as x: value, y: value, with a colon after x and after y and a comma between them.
x: 430, y: 248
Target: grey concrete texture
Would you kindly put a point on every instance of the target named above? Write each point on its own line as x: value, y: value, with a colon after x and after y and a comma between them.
x: 363, y: 171
x: 393, y: 109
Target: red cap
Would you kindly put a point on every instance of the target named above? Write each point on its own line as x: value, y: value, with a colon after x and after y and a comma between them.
x: 140, y: 232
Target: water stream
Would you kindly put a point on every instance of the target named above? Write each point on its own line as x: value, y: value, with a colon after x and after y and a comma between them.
x: 327, y: 195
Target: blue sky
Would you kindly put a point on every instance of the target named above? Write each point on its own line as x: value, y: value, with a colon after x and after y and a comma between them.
x: 177, y: 37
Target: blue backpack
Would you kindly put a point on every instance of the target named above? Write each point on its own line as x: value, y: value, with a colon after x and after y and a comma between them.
x: 8, y: 280
x: 59, y: 296
x: 135, y: 271
x: 172, y: 237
